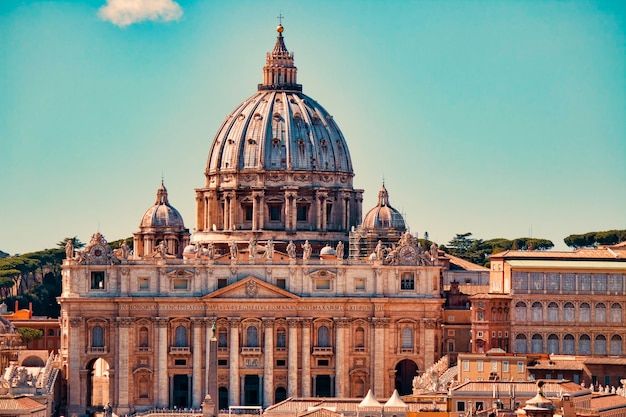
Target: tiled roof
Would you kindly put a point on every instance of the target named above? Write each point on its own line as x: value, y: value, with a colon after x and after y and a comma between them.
x: 551, y: 388
x: 20, y: 403
x: 614, y: 252
x: 607, y: 402
x: 463, y: 264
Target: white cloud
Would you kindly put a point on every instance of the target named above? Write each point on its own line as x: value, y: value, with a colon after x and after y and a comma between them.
x: 126, y: 12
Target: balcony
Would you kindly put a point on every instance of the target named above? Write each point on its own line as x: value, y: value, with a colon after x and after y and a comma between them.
x: 251, y: 351
x: 281, y: 349
x: 143, y: 349
x: 406, y: 350
x: 179, y: 350
x: 322, y: 350
x: 96, y: 350
x: 359, y: 349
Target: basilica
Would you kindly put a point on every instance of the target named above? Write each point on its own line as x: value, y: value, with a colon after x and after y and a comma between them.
x: 284, y: 288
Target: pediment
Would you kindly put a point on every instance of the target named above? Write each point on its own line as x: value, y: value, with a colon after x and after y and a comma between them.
x: 323, y: 274
x: 251, y: 287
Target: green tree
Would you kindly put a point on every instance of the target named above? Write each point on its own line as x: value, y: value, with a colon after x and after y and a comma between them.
x: 28, y: 334
x: 592, y: 239
x: 75, y: 241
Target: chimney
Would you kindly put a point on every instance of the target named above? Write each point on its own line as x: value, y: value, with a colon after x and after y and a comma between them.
x: 568, y: 409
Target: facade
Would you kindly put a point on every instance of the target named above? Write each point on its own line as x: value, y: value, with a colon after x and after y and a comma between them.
x: 495, y: 365
x: 262, y: 302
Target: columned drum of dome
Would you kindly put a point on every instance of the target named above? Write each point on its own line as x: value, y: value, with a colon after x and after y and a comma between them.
x: 278, y: 167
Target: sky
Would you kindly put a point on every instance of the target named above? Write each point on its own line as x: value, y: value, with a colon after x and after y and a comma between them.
x: 504, y: 119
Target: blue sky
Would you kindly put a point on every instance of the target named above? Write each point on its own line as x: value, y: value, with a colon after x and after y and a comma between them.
x: 495, y: 118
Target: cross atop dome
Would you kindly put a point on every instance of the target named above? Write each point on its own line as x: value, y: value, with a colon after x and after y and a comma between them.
x: 279, y: 72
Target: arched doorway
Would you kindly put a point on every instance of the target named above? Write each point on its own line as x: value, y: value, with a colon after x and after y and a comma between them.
x: 180, y: 391
x: 406, y: 370
x: 222, y: 395
x: 280, y: 394
x: 251, y: 390
x: 322, y: 386
x: 33, y: 362
x: 97, y: 384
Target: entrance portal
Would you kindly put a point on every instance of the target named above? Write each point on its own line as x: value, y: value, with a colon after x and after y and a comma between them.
x: 406, y: 370
x: 180, y: 391
x: 97, y: 384
x: 251, y: 390
x: 322, y: 386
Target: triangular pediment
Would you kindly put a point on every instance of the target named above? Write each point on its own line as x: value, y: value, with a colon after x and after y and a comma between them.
x: 251, y: 287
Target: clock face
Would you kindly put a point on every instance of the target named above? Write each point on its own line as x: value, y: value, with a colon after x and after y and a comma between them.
x: 97, y: 252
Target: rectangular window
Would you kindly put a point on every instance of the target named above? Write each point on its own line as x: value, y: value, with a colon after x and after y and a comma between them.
x: 607, y: 380
x: 322, y: 362
x: 407, y: 281
x: 460, y: 406
x: 281, y: 283
x: 584, y: 283
x: 222, y: 282
x: 569, y: 283
x: 247, y: 212
x: 143, y: 283
x: 180, y: 284
x: 359, y: 284
x: 598, y: 282
x: 466, y: 365
x: 180, y: 362
x: 222, y: 362
x: 275, y: 212
x: 520, y: 281
x: 494, y: 366
x: 302, y: 212
x: 281, y: 363
x: 615, y: 283
x: 322, y: 284
x: 505, y: 366
x: 548, y: 376
x: 222, y: 338
x: 576, y: 379
x: 536, y: 278
x: 554, y: 282
x: 97, y: 280
x: 559, y: 376
x: 520, y: 367
x: 479, y: 405
x: 479, y: 366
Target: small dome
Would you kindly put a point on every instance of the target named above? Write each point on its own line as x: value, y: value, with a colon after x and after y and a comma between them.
x: 383, y: 216
x: 162, y: 214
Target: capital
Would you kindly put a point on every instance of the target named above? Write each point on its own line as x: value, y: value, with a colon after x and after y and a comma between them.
x: 293, y: 322
x: 124, y: 321
x: 234, y: 321
x: 430, y: 323
x: 76, y: 321
x: 161, y: 321
x: 380, y: 322
x: 268, y: 323
x: 342, y: 322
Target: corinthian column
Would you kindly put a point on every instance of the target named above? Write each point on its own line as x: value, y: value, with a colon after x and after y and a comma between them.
x: 306, y: 357
x: 378, y: 355
x: 161, y: 363
x: 196, y: 361
x: 268, y: 363
x: 292, y: 359
x: 233, y: 361
x: 341, y: 376
x: 123, y: 324
x: 430, y: 326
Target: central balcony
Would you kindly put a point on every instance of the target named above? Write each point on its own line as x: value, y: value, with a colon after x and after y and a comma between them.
x: 250, y: 350
x: 322, y: 350
x: 179, y: 350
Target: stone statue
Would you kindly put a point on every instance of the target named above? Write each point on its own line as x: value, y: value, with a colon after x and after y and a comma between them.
x: 339, y: 250
x: 291, y: 250
x: 434, y: 252
x: 210, y: 250
x: 306, y: 250
x: 69, y: 249
x: 124, y: 250
x: 108, y: 410
x: 233, y: 250
x: 252, y: 249
x: 160, y: 249
x: 379, y: 250
x: 269, y: 250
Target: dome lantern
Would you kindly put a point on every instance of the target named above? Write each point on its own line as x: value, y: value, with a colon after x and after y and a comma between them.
x: 279, y: 72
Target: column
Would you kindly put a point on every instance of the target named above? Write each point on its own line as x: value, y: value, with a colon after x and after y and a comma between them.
x: 378, y: 356
x: 268, y: 363
x: 430, y: 326
x: 74, y: 354
x: 292, y: 359
x: 161, y: 365
x: 255, y: 206
x: 306, y: 357
x: 200, y: 212
x: 207, y: 212
x: 233, y: 362
x: 323, y: 210
x: 196, y: 362
x: 287, y: 211
x: 226, y: 211
x: 261, y: 211
x: 233, y: 211
x: 341, y: 380
x: 123, y: 325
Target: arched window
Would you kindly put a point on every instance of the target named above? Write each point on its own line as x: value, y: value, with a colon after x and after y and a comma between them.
x: 585, y: 312
x: 553, y: 312
x: 553, y: 344
x: 537, y: 312
x: 180, y: 336
x: 142, y: 387
x: 323, y: 337
x: 599, y: 346
x: 97, y: 337
x: 584, y: 345
x: 280, y: 394
x: 252, y: 337
x: 281, y: 337
x: 521, y: 345
x: 520, y: 311
x: 616, y: 345
x: 407, y: 338
x: 569, y: 312
x: 616, y: 313
x: 143, y: 337
x: 359, y: 338
x: 536, y: 344
x: 600, y: 316
x: 568, y: 344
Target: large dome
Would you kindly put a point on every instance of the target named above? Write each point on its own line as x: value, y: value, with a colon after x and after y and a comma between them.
x: 278, y: 166
x: 279, y: 130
